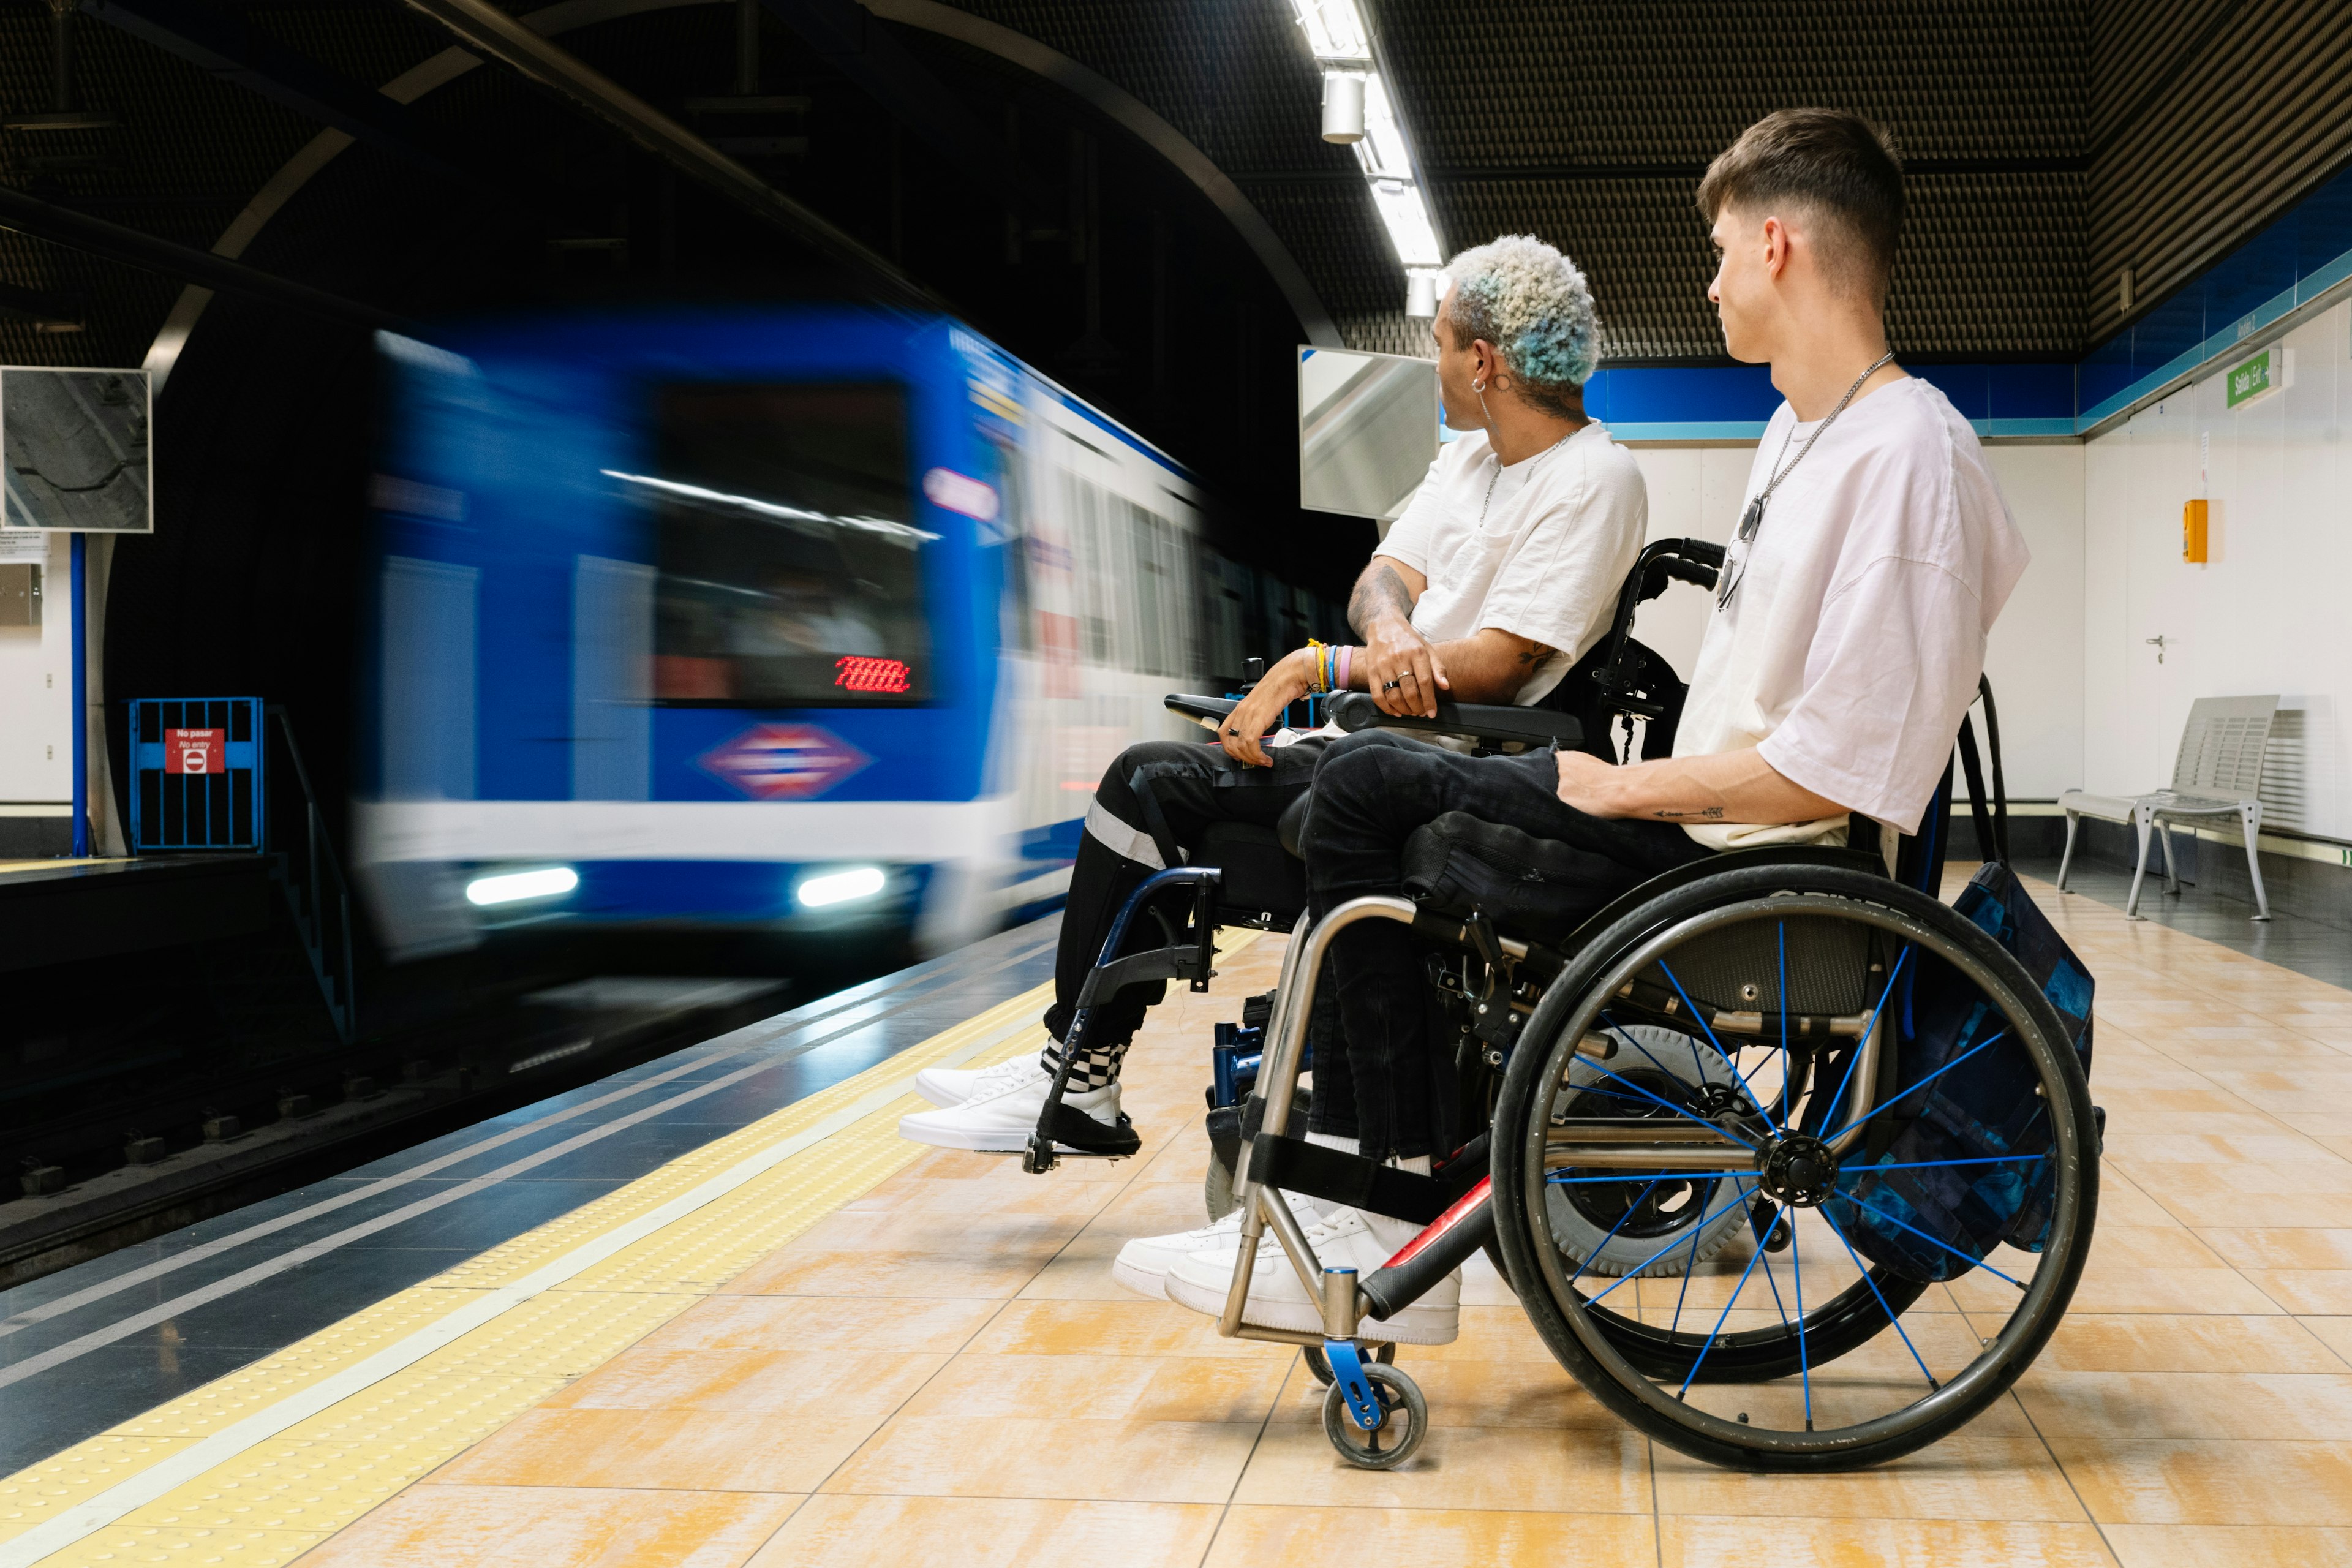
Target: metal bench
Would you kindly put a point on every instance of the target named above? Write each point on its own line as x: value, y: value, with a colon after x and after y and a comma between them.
x: 2219, y: 773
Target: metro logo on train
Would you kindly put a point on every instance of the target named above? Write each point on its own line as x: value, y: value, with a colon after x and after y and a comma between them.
x: 195, y: 751
x: 784, y: 762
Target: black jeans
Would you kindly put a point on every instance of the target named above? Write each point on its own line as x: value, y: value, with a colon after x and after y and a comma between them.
x: 1398, y: 1094
x: 1126, y: 840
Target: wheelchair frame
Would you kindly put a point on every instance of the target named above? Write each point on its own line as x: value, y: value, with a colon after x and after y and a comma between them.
x: 1458, y: 1205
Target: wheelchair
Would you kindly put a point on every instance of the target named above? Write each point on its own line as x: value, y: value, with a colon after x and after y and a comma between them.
x: 1731, y: 1052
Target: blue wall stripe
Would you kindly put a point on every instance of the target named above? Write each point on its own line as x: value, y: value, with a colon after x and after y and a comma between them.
x: 2289, y: 263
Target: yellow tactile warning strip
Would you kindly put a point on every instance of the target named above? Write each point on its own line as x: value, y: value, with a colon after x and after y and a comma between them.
x: 260, y: 1465
x: 944, y: 1370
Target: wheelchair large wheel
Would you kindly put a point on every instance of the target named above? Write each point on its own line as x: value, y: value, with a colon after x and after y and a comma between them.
x: 1866, y: 1025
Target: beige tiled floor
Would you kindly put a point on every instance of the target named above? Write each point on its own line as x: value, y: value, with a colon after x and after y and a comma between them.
x: 944, y: 1372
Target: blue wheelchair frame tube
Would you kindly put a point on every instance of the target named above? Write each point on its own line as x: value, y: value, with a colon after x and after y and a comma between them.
x: 1174, y: 877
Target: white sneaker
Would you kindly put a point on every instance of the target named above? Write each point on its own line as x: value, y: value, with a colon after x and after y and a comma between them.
x: 1001, y: 1117
x: 1277, y: 1301
x: 953, y: 1086
x: 1142, y: 1264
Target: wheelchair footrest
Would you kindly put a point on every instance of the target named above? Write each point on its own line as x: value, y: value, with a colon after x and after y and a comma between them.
x: 1076, y: 1133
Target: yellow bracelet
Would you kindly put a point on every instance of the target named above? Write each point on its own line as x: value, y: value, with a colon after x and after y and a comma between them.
x: 1314, y: 667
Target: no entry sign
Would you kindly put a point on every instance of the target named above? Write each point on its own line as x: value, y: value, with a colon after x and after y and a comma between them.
x: 195, y: 751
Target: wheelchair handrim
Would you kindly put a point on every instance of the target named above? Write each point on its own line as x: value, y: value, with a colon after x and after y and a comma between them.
x: 2002, y: 980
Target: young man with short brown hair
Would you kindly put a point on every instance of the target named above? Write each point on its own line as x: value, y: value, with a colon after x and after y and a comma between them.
x: 1870, y: 555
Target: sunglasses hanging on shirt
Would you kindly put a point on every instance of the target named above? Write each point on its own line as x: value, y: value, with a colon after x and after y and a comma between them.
x: 1752, y: 519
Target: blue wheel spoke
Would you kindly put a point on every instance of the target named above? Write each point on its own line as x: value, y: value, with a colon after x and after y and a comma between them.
x: 1670, y: 1105
x: 1620, y: 1031
x: 1972, y: 1262
x: 1804, y: 1363
x: 1877, y: 1016
x: 1636, y: 1271
x: 1613, y: 1229
x: 1939, y: 1164
x: 1682, y: 1291
x: 1768, y: 1278
x: 1899, y: 1099
x: 1630, y: 1177
x: 1611, y: 1093
x: 1719, y: 1320
x: 1702, y: 1023
x: 1875, y: 1290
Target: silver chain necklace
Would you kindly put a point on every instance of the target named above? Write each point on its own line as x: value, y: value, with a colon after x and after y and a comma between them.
x: 1753, y: 517
x: 1493, y: 479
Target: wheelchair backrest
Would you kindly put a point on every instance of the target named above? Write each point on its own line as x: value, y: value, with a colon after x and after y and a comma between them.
x: 1622, y: 679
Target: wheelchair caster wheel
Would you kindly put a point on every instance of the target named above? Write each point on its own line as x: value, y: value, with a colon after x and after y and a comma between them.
x: 1319, y: 1368
x: 1405, y: 1421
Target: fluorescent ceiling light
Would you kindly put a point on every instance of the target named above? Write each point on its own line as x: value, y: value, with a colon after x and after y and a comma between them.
x: 513, y: 887
x: 1333, y: 30
x: 1336, y: 35
x: 1382, y: 150
x: 1408, y: 223
x: 840, y: 886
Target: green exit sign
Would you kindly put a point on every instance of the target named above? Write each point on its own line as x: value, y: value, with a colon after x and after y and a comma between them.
x: 2251, y: 379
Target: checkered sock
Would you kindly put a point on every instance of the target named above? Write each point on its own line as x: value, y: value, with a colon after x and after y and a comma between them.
x: 1095, y: 1067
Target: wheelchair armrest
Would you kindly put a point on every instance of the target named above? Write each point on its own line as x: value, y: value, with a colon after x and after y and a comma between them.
x: 1207, y: 709
x: 1484, y: 722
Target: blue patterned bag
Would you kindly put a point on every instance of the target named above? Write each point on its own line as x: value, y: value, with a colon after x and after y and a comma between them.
x: 1987, y: 1106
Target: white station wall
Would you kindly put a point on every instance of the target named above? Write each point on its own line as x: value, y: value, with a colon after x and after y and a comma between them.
x: 2036, y: 657
x: 2265, y: 614
x: 36, y: 697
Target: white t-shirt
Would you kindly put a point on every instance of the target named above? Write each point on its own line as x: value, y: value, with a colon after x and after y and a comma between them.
x: 1851, y: 644
x: 1561, y: 531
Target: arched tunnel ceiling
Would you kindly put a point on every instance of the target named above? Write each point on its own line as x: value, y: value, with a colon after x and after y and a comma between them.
x: 1585, y: 124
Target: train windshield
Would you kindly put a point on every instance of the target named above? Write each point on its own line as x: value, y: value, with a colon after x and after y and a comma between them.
x: 791, y: 567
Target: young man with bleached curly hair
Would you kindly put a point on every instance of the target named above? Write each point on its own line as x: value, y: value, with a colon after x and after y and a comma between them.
x: 1502, y: 572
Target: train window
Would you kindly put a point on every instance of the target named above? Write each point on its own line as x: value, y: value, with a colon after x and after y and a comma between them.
x: 1013, y: 631
x: 791, y: 571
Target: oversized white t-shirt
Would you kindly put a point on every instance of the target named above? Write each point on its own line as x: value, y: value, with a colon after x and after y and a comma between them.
x: 1852, y: 646
x: 1561, y: 532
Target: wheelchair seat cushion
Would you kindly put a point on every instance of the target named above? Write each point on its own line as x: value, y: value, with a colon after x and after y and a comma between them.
x: 1538, y: 889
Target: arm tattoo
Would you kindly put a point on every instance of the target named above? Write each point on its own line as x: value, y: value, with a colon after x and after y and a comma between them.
x: 1536, y: 653
x: 1380, y: 589
x: 1703, y: 814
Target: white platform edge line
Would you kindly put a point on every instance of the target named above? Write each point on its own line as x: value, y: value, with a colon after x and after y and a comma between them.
x: 93, y: 1514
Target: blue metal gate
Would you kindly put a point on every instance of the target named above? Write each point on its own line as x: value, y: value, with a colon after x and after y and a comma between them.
x: 196, y: 773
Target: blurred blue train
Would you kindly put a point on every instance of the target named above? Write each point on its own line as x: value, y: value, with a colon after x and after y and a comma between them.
x: 799, y: 619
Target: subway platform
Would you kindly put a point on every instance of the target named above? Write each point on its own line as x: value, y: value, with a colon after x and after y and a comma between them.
x: 713, y: 1311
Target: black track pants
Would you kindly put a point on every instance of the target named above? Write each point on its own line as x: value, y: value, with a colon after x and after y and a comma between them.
x: 1399, y: 1095
x: 1192, y: 785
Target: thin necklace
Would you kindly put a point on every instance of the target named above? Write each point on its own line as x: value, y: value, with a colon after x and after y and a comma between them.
x: 1753, y: 519
x: 1538, y: 458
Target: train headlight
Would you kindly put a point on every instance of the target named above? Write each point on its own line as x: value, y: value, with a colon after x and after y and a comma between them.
x: 840, y: 886
x: 515, y: 887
